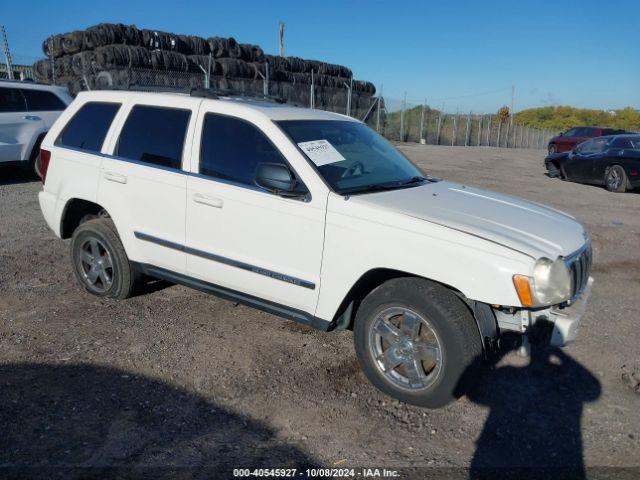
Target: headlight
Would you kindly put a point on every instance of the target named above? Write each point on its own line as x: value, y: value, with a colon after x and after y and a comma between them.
x: 550, y: 284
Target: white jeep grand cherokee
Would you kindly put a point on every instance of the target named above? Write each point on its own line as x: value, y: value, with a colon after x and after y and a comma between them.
x: 314, y: 217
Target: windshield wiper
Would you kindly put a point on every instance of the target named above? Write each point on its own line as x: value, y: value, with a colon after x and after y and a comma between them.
x: 380, y: 187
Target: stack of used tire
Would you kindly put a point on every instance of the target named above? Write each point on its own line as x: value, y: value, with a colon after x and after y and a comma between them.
x: 119, y: 56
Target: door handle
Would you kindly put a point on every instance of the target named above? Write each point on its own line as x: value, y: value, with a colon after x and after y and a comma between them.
x: 114, y: 177
x: 32, y: 117
x: 209, y: 201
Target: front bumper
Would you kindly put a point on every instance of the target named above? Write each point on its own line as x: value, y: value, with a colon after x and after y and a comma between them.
x: 567, y: 320
x: 564, y: 322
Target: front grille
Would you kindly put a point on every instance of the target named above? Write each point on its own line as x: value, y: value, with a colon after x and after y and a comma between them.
x: 579, y: 264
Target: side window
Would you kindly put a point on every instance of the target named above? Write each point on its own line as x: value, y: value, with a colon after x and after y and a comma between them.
x: 231, y: 149
x: 11, y: 100
x: 42, y: 101
x: 154, y: 135
x: 621, y: 143
x: 89, y: 126
x: 585, y: 147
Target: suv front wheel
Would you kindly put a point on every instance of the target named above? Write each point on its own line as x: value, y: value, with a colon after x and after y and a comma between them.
x: 100, y: 262
x: 417, y: 342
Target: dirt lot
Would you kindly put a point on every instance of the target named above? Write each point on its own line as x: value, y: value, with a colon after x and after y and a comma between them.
x: 175, y: 382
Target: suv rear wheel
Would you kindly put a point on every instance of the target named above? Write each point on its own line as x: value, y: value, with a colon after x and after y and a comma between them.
x: 100, y: 262
x: 417, y: 342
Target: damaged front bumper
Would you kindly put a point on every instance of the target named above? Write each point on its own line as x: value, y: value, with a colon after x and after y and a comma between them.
x: 564, y: 321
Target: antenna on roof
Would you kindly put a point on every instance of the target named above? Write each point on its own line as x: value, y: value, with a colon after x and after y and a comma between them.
x: 7, y: 54
x: 281, y: 38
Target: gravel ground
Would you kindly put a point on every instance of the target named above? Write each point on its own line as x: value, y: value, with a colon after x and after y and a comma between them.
x: 178, y: 383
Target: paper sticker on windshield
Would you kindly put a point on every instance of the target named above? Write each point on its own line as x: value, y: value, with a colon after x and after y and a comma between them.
x: 321, y: 152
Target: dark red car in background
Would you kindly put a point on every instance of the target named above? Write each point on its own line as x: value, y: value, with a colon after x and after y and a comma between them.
x: 572, y: 137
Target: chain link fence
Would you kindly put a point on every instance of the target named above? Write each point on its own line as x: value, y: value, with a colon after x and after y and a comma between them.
x: 405, y: 122
x: 21, y: 68
x: 396, y: 119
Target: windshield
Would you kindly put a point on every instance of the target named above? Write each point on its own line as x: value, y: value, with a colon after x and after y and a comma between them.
x: 351, y: 157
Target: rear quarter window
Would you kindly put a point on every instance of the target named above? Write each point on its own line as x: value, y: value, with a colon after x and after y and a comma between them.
x: 42, y: 101
x: 154, y: 135
x: 88, y: 128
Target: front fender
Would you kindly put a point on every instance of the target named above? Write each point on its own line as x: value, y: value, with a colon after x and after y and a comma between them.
x: 480, y: 269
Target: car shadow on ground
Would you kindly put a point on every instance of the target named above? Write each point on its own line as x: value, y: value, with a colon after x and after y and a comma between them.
x: 87, y: 421
x: 11, y: 174
x: 533, y: 429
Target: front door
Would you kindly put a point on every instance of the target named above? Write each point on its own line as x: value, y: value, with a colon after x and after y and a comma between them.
x: 241, y: 237
x: 578, y: 162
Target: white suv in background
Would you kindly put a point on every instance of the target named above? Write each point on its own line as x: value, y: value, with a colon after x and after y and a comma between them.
x: 314, y: 217
x: 27, y: 111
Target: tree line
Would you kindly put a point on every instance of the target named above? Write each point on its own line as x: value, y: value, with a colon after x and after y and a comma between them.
x: 562, y: 118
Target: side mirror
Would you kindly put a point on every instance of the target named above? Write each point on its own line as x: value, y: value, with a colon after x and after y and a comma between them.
x: 277, y: 178
x: 561, y: 134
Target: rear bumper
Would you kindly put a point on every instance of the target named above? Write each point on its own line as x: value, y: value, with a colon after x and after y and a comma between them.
x: 48, y: 205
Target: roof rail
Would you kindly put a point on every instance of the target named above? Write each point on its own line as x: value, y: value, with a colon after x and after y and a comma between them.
x: 212, y: 93
x: 150, y: 88
x: 220, y: 93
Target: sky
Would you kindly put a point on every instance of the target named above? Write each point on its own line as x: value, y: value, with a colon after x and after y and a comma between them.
x: 463, y: 55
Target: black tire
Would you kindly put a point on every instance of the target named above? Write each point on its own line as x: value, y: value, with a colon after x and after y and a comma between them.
x: 553, y: 170
x: 615, y: 179
x: 450, y: 321
x: 121, y: 273
x: 34, y: 166
x: 552, y: 149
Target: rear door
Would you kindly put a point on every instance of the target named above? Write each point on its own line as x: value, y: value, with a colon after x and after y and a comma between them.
x: 142, y: 182
x: 18, y: 128
x: 43, y: 104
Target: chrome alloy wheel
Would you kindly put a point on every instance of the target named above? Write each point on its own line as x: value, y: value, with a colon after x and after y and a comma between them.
x: 405, y: 348
x: 613, y: 179
x: 96, y: 265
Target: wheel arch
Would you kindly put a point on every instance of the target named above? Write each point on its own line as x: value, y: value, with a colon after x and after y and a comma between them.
x: 36, y: 140
x: 36, y: 144
x: 370, y: 280
x: 75, y: 210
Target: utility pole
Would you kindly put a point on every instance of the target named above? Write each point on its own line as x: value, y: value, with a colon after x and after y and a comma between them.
x: 312, y: 94
x: 7, y: 54
x: 513, y: 94
x: 467, y: 131
x: 455, y: 128
x: 281, y: 38
x: 422, y: 138
x: 404, y: 106
x: 439, y: 124
x: 378, y: 109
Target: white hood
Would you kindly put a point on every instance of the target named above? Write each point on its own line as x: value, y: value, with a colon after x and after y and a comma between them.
x: 524, y: 226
